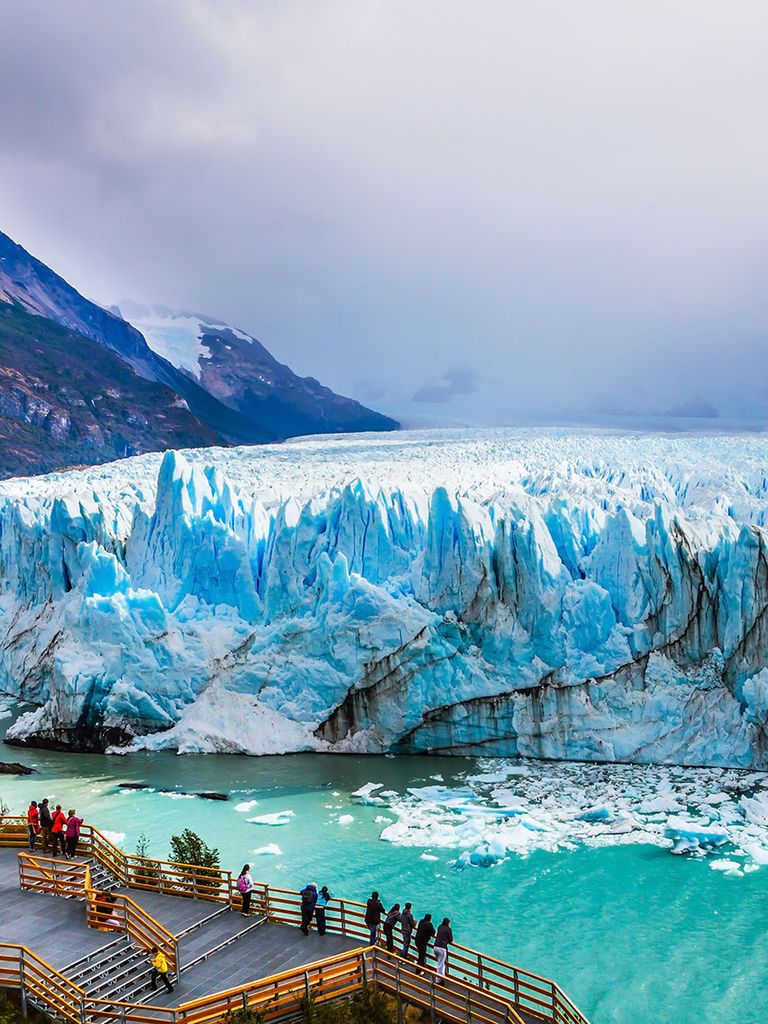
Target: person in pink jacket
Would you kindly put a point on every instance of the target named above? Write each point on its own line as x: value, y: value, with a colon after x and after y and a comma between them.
x: 73, y: 833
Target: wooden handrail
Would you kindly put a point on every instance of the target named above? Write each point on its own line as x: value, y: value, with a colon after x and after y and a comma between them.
x: 47, y: 874
x: 109, y: 912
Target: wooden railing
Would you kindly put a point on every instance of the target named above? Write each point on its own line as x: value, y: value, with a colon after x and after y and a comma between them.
x: 281, y: 995
x: 491, y: 977
x: 21, y: 969
x: 107, y: 911
x: 56, y: 877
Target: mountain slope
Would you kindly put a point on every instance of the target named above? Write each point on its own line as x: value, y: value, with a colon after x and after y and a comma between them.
x: 66, y: 401
x: 38, y: 289
x: 242, y: 374
x: 235, y: 386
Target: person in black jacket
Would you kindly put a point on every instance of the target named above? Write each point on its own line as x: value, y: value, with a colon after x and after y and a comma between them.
x: 392, y: 918
x: 424, y: 932
x: 407, y: 925
x: 308, y: 900
x: 443, y: 939
x: 46, y: 824
x: 373, y: 911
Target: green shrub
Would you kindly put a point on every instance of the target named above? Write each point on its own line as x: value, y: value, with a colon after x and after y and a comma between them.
x: 189, y: 848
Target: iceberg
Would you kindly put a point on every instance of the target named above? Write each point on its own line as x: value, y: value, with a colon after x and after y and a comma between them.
x: 527, y: 593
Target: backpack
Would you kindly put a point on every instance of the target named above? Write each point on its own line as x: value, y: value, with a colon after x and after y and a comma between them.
x: 242, y: 883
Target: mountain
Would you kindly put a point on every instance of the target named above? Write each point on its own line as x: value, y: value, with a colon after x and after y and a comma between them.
x: 242, y: 374
x: 554, y: 594
x: 269, y: 404
x: 65, y: 400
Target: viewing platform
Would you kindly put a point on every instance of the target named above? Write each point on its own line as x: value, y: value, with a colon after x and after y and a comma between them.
x: 75, y: 937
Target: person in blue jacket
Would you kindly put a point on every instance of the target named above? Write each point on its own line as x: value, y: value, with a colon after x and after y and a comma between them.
x: 323, y: 899
x: 308, y: 903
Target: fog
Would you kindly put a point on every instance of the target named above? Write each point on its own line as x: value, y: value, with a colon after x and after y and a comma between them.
x: 509, y: 210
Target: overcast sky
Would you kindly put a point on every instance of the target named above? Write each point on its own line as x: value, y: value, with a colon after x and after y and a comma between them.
x: 561, y: 204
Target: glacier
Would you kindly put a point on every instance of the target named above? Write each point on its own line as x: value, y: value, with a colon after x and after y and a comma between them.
x: 548, y: 593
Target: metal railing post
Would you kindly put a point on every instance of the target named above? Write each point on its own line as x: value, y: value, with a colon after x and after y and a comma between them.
x: 178, y: 960
x: 307, y: 990
x: 343, y: 918
x: 82, y: 1009
x: 22, y: 984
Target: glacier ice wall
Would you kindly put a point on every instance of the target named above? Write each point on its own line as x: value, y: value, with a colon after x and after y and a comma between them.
x: 550, y: 594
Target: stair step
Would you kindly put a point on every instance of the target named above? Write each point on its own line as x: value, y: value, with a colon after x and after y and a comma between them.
x: 222, y: 945
x: 206, y: 920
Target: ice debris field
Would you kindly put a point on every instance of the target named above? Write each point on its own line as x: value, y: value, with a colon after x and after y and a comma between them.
x: 515, y: 807
x: 542, y: 593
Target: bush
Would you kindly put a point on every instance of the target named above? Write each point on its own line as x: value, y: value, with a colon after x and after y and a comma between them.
x: 368, y: 1006
x: 246, y: 1015
x: 189, y: 848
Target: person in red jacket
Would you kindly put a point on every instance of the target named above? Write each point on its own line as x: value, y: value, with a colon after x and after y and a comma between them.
x: 33, y: 824
x: 58, y: 833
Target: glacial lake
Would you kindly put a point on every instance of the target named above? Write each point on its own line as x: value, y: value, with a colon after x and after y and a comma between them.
x: 631, y: 932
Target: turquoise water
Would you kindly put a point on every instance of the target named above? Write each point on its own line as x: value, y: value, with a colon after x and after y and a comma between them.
x: 630, y: 932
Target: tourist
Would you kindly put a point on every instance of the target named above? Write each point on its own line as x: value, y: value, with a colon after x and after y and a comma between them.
x: 45, y: 825
x: 424, y: 932
x: 159, y: 970
x: 308, y: 903
x: 392, y: 918
x: 443, y: 939
x: 73, y: 833
x: 245, y: 888
x: 33, y: 824
x: 373, y: 911
x: 323, y: 899
x: 58, y: 835
x: 407, y: 925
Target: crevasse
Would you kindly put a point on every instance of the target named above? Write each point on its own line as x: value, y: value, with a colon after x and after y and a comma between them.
x: 551, y: 595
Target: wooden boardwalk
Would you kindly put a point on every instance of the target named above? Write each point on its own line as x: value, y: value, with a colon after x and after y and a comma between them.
x: 57, y: 930
x: 75, y: 939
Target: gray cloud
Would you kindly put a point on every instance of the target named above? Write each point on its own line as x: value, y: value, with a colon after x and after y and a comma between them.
x: 569, y: 197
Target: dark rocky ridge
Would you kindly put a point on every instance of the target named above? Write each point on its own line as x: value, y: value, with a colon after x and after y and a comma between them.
x: 65, y: 400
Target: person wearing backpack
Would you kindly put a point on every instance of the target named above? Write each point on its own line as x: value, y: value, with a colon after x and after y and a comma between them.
x: 46, y: 821
x: 245, y: 888
x: 373, y: 911
x: 308, y: 903
x: 58, y: 834
x: 323, y: 899
x: 392, y: 918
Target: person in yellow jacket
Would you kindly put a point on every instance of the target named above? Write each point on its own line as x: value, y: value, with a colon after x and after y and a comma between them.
x: 159, y: 970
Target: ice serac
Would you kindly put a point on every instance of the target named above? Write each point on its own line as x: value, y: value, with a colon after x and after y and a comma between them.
x: 541, y: 593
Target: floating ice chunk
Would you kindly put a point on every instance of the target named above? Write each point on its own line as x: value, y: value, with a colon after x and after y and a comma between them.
x: 366, y: 794
x: 278, y: 818
x: 428, y: 856
x: 595, y: 814
x: 270, y: 850
x: 380, y: 819
x: 118, y: 838
x: 730, y: 867
x: 346, y: 819
x: 246, y: 805
x: 690, y: 837
x: 368, y: 789
x: 755, y: 808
